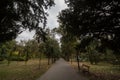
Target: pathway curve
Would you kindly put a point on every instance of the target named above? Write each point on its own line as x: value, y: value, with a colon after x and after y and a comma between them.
x: 61, y: 70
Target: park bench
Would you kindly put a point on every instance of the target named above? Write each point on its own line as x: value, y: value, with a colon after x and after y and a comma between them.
x: 85, y: 68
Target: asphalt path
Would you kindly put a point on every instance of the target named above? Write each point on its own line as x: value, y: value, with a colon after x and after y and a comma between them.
x: 62, y: 70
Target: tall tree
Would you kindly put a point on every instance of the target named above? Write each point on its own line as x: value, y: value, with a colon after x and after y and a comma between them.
x: 96, y: 19
x: 67, y: 42
x: 52, y: 49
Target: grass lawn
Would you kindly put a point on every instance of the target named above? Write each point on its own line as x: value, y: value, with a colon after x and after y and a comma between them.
x: 105, y: 71
x: 22, y: 71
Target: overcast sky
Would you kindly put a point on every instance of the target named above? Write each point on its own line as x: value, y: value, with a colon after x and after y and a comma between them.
x: 52, y: 20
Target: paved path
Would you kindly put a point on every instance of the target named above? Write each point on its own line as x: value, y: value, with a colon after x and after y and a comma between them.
x: 61, y: 70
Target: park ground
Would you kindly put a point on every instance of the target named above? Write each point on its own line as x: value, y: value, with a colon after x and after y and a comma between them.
x: 30, y: 70
x: 23, y: 71
x: 101, y: 71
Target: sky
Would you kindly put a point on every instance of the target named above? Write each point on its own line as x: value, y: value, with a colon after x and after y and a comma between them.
x: 51, y: 23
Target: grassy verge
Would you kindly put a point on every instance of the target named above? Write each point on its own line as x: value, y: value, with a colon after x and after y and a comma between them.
x: 104, y: 68
x: 102, y: 71
x: 23, y: 71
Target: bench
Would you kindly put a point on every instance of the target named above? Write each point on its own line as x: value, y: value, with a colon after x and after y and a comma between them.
x: 85, y: 68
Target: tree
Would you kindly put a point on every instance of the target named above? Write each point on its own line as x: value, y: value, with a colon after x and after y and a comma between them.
x: 52, y: 49
x: 6, y: 50
x: 68, y: 43
x: 51, y: 45
x: 95, y: 19
x: 17, y: 15
x: 93, y: 54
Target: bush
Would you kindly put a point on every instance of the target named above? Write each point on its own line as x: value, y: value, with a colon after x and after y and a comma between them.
x: 14, y: 58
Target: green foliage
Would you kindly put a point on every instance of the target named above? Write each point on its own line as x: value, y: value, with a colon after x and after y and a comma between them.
x: 96, y: 19
x: 91, y: 20
x: 12, y: 51
x: 17, y: 15
x: 67, y: 47
x: 68, y: 43
x: 6, y: 49
x: 52, y: 48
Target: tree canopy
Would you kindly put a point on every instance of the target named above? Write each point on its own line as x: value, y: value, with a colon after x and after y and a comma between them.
x: 96, y: 19
x: 17, y: 15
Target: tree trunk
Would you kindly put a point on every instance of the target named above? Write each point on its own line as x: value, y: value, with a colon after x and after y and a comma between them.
x: 52, y: 59
x: 40, y: 61
x: 78, y: 61
x: 71, y: 59
x: 9, y: 58
x: 26, y: 59
x: 48, y: 61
